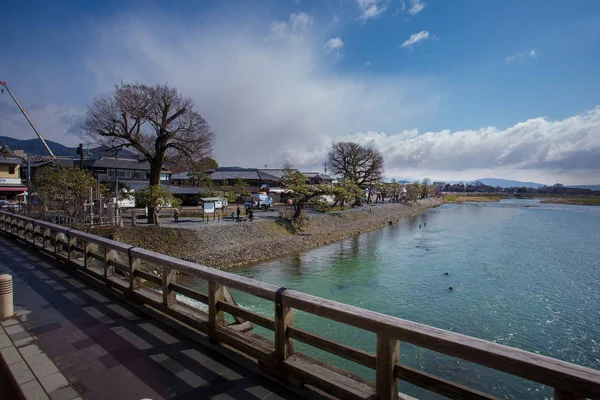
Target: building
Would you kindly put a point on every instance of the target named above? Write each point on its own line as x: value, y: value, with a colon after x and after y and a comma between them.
x: 11, y: 185
x: 316, y: 178
x: 131, y: 172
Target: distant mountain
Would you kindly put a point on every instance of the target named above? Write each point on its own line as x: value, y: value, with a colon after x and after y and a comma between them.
x: 35, y: 147
x: 592, y: 187
x: 505, y: 183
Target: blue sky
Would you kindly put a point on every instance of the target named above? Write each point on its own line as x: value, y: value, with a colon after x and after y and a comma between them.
x: 447, y: 89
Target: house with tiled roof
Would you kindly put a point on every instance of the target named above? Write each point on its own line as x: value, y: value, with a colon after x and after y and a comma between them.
x: 11, y: 185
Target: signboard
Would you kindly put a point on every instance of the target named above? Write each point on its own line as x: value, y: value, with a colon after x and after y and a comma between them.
x: 209, y: 207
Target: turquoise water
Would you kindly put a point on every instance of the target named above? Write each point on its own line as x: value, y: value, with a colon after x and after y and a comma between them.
x: 524, y: 274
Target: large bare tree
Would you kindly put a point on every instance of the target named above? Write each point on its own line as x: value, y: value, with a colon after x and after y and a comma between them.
x: 355, y: 163
x: 155, y: 122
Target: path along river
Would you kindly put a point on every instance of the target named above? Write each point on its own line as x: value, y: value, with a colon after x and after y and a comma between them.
x: 524, y: 274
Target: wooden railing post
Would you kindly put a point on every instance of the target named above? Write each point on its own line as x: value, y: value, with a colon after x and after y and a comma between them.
x: 284, y: 318
x: 169, y: 295
x: 135, y: 282
x: 109, y: 255
x: 216, y: 317
x: 564, y: 395
x: 56, y: 242
x: 71, y: 243
x: 87, y: 246
x: 45, y: 237
x: 388, y: 354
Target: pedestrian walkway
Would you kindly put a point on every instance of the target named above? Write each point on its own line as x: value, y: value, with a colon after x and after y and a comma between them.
x: 107, y: 349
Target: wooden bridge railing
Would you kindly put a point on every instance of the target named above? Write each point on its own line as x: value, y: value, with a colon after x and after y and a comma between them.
x: 99, y: 258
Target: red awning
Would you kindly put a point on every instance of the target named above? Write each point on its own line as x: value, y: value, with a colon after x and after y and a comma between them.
x: 13, y: 188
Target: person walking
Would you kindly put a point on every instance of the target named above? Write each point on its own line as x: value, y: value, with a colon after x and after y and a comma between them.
x: 176, y: 215
x: 239, y: 211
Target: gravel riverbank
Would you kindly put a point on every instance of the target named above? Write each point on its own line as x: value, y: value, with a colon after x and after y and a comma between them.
x: 227, y: 246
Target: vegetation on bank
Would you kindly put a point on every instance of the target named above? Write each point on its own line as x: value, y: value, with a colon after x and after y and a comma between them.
x: 582, y: 201
x: 458, y: 199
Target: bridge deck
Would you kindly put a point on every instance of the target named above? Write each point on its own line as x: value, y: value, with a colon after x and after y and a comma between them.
x: 108, y: 349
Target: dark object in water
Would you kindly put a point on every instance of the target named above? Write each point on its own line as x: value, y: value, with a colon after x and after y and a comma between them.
x: 446, y: 273
x: 427, y: 249
x: 425, y: 224
x: 418, y: 246
x: 390, y: 222
x: 419, y: 226
x: 450, y: 288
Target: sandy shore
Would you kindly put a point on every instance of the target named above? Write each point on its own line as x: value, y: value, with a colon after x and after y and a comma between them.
x: 227, y: 246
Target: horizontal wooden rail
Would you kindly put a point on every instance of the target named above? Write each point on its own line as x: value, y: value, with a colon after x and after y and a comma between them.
x: 278, y: 356
x: 349, y: 353
x: 439, y: 385
x: 247, y: 315
x: 191, y: 293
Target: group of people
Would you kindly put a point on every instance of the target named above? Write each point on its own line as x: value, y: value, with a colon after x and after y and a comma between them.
x: 236, y: 216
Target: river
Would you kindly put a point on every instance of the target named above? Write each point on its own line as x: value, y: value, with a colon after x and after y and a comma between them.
x: 524, y: 274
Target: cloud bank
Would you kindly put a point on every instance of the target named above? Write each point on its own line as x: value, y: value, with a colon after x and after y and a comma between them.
x: 559, y: 149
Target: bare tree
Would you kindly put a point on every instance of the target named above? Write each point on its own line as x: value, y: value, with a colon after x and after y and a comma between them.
x: 155, y: 122
x: 355, y: 163
x: 287, y: 165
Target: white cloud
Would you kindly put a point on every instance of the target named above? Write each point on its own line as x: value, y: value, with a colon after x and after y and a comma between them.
x: 334, y: 46
x: 300, y: 22
x: 416, y: 38
x: 532, y: 54
x: 509, y: 59
x: 416, y: 7
x: 279, y: 27
x: 371, y: 8
x: 335, y: 43
x: 298, y: 26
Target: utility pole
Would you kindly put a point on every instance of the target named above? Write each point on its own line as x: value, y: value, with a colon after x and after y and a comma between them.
x: 116, y: 198
x: 80, y: 152
x: 28, y: 187
x: 91, y: 208
x: 325, y: 167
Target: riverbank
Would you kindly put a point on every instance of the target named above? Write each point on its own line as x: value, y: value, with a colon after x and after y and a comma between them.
x: 227, y: 246
x: 574, y: 201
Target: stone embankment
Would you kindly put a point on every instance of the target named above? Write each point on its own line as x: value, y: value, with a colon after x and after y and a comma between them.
x: 227, y: 246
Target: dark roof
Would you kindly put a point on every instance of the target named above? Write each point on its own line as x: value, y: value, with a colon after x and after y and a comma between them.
x: 7, y: 156
x: 119, y: 163
x: 279, y: 173
x: 245, y: 173
x: 313, y: 175
x: 173, y: 189
x: 65, y: 162
x: 181, y: 175
x: 268, y: 176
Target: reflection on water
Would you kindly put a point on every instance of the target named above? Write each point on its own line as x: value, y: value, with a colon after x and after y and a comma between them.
x: 524, y: 274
